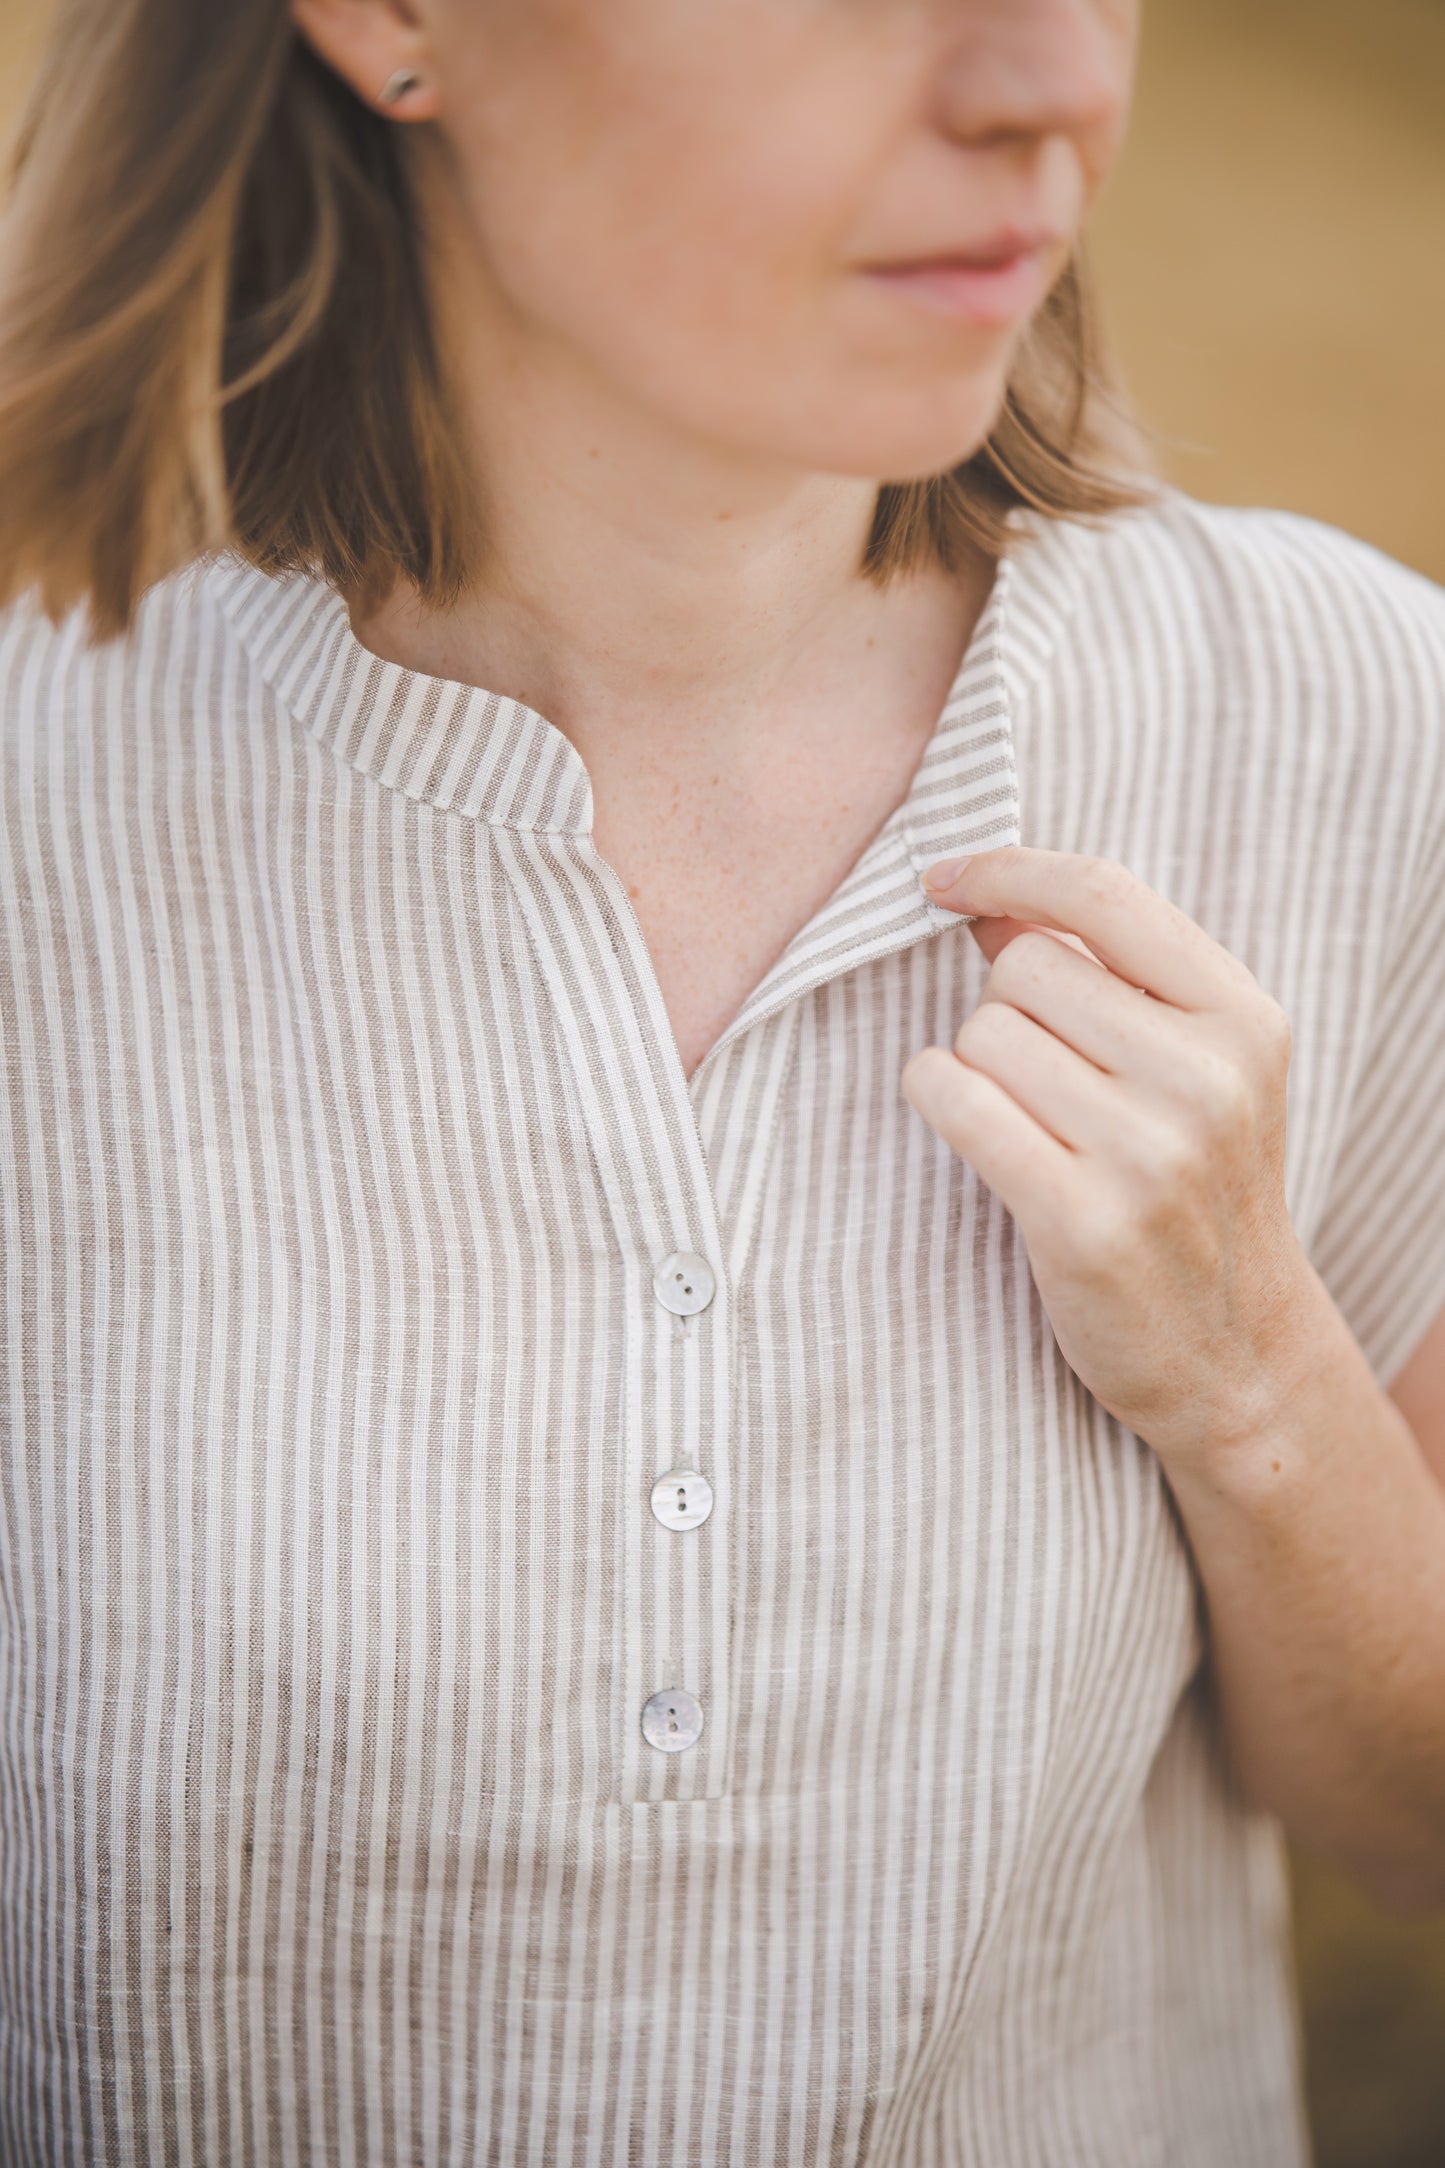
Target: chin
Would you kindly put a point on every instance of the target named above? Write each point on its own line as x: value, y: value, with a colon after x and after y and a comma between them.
x: 928, y: 438
x: 908, y: 454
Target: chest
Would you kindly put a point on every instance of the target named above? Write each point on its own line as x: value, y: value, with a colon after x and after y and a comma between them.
x: 722, y: 869
x: 349, y: 1493
x: 394, y: 1371
x: 348, y: 1391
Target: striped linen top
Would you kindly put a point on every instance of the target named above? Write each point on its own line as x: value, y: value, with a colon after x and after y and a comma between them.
x: 344, y: 1135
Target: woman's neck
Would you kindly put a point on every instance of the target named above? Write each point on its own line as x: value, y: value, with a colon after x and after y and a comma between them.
x: 642, y: 583
x: 614, y: 603
x: 609, y: 590
x: 748, y: 708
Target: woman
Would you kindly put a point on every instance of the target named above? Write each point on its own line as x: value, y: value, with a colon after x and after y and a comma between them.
x: 668, y: 1497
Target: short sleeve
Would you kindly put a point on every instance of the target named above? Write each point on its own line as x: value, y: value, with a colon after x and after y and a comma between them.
x: 1380, y: 1245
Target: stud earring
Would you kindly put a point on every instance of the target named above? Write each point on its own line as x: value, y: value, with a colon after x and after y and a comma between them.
x: 396, y: 86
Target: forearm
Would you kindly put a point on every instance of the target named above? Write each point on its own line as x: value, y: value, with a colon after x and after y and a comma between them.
x: 1320, y: 1543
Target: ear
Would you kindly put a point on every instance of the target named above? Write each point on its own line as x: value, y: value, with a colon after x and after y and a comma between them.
x: 374, y: 44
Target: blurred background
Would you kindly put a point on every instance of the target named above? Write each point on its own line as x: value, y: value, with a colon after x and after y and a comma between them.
x: 1272, y: 263
x: 1272, y: 260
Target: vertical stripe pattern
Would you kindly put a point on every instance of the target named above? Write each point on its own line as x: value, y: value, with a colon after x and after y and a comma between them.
x: 341, y: 1132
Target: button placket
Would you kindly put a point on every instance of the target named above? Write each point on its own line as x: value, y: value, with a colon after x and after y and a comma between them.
x: 681, y: 1499
x: 667, y: 1587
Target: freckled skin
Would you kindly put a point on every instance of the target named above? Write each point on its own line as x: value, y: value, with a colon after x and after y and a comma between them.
x: 647, y: 222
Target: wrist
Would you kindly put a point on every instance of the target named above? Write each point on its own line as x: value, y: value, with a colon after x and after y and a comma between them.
x: 1305, y: 1385
x: 1307, y: 1405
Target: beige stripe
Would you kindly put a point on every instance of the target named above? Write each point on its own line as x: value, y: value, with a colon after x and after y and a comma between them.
x: 341, y: 1130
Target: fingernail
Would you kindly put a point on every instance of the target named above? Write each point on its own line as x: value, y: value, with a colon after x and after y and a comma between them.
x: 945, y: 873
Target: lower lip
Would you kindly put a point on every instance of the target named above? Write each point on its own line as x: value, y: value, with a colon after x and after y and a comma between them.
x: 972, y: 294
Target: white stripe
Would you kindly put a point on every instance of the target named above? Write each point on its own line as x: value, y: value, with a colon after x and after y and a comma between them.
x: 341, y: 1128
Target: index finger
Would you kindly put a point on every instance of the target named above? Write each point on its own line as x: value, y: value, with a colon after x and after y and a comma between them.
x: 1139, y: 934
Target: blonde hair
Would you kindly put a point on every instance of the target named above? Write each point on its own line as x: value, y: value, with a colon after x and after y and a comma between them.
x: 214, y: 335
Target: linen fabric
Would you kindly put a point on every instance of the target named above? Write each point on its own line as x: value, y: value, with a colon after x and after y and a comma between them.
x: 341, y: 1130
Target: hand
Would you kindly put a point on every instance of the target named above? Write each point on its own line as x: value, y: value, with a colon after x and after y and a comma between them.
x: 1126, y: 1102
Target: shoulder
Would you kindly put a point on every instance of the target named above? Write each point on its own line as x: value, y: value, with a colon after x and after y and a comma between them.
x: 1261, y: 619
x: 1178, y: 566
x: 1317, y: 595
x: 116, y: 755
x: 1341, y: 645
x: 1231, y: 568
x: 79, y: 716
x: 57, y: 672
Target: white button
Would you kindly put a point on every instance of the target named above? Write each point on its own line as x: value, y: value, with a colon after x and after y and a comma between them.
x: 684, y: 1283
x: 682, y: 1498
x: 672, y: 1720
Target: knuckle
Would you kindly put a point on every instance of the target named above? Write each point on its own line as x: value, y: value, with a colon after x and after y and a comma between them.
x: 991, y: 1026
x: 1024, y: 965
x: 1228, y: 1097
x: 1107, y: 1236
x: 1264, y: 1021
x: 970, y: 1033
x: 924, y: 1059
x: 1277, y: 1031
x: 1265, y: 1040
x: 1105, y: 880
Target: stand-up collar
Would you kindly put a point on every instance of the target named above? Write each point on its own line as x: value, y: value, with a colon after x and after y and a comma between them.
x: 484, y: 755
